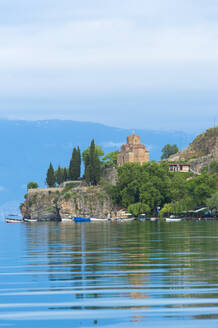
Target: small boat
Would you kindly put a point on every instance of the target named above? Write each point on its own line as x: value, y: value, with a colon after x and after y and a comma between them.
x: 173, y: 219
x: 98, y: 220
x: 8, y: 220
x: 81, y: 219
x: 142, y: 217
x: 129, y: 219
x: 30, y: 220
x: 66, y: 220
x: 153, y: 219
x: 13, y: 218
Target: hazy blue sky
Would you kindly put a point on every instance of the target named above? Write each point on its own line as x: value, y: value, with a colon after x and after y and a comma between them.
x: 127, y: 63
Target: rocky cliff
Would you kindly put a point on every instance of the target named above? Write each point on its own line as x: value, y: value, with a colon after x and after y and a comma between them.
x: 201, y: 152
x: 55, y: 204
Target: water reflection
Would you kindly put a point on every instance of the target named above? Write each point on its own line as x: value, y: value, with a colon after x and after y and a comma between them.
x: 110, y: 273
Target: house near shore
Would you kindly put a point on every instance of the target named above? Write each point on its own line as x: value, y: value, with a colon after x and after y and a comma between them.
x: 179, y: 167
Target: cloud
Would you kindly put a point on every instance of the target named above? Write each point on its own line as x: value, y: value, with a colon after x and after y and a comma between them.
x: 75, y: 59
x: 2, y: 188
x: 111, y: 144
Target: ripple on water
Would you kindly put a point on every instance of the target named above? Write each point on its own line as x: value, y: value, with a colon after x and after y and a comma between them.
x: 139, y: 274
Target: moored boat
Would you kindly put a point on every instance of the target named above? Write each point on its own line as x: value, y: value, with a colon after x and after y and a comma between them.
x: 99, y: 220
x: 154, y: 219
x: 9, y: 220
x: 30, y: 220
x: 13, y: 218
x: 81, y: 219
x: 142, y: 217
x: 173, y: 219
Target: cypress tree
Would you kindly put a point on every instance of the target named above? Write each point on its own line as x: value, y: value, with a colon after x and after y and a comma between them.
x: 78, y: 162
x: 73, y: 165
x: 65, y: 175
x: 50, y: 177
x: 92, y: 166
x: 59, y: 176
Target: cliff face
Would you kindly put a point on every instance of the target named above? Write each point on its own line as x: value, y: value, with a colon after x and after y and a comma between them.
x: 55, y: 204
x: 202, y: 151
x: 40, y: 205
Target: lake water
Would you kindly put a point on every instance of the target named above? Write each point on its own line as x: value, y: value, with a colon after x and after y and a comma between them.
x: 136, y: 274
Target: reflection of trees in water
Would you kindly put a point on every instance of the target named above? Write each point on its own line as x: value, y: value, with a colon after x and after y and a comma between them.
x: 186, y: 250
x: 133, y: 255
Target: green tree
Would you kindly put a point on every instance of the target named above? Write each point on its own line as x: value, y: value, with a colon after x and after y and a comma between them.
x: 111, y: 158
x: 165, y: 211
x: 98, y: 149
x: 50, y: 177
x: 212, y: 202
x: 214, y: 167
x: 65, y: 174
x: 92, y: 165
x: 200, y: 188
x: 75, y: 164
x: 169, y: 150
x: 78, y: 162
x: 59, y: 175
x: 32, y: 185
x: 138, y: 208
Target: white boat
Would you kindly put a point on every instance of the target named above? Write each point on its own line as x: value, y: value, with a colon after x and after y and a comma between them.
x: 9, y: 220
x: 13, y: 218
x: 153, y: 219
x: 67, y: 220
x: 173, y: 219
x: 29, y: 220
x: 99, y: 220
x: 128, y: 219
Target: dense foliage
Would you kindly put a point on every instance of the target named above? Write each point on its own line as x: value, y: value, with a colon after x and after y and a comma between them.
x: 110, y: 159
x: 152, y: 185
x: 213, y: 167
x: 212, y: 202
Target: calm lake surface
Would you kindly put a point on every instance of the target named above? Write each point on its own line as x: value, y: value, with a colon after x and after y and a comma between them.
x: 136, y: 274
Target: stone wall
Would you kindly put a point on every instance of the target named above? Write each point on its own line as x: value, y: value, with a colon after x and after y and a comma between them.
x: 110, y: 175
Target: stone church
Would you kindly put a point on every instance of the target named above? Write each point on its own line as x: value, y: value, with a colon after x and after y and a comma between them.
x: 133, y: 151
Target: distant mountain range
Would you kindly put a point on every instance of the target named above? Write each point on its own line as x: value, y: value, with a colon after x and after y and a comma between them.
x: 27, y: 147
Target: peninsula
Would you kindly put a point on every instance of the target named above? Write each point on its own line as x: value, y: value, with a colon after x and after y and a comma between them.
x: 127, y: 181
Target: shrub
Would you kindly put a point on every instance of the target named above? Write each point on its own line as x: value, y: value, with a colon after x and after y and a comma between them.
x: 165, y: 211
x: 138, y: 208
x: 21, y: 205
x: 70, y: 186
x: 32, y: 185
x: 67, y: 196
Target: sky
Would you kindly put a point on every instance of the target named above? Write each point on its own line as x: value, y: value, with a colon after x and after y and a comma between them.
x: 128, y: 63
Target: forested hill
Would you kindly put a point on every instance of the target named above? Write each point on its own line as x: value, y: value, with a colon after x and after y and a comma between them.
x: 27, y: 147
